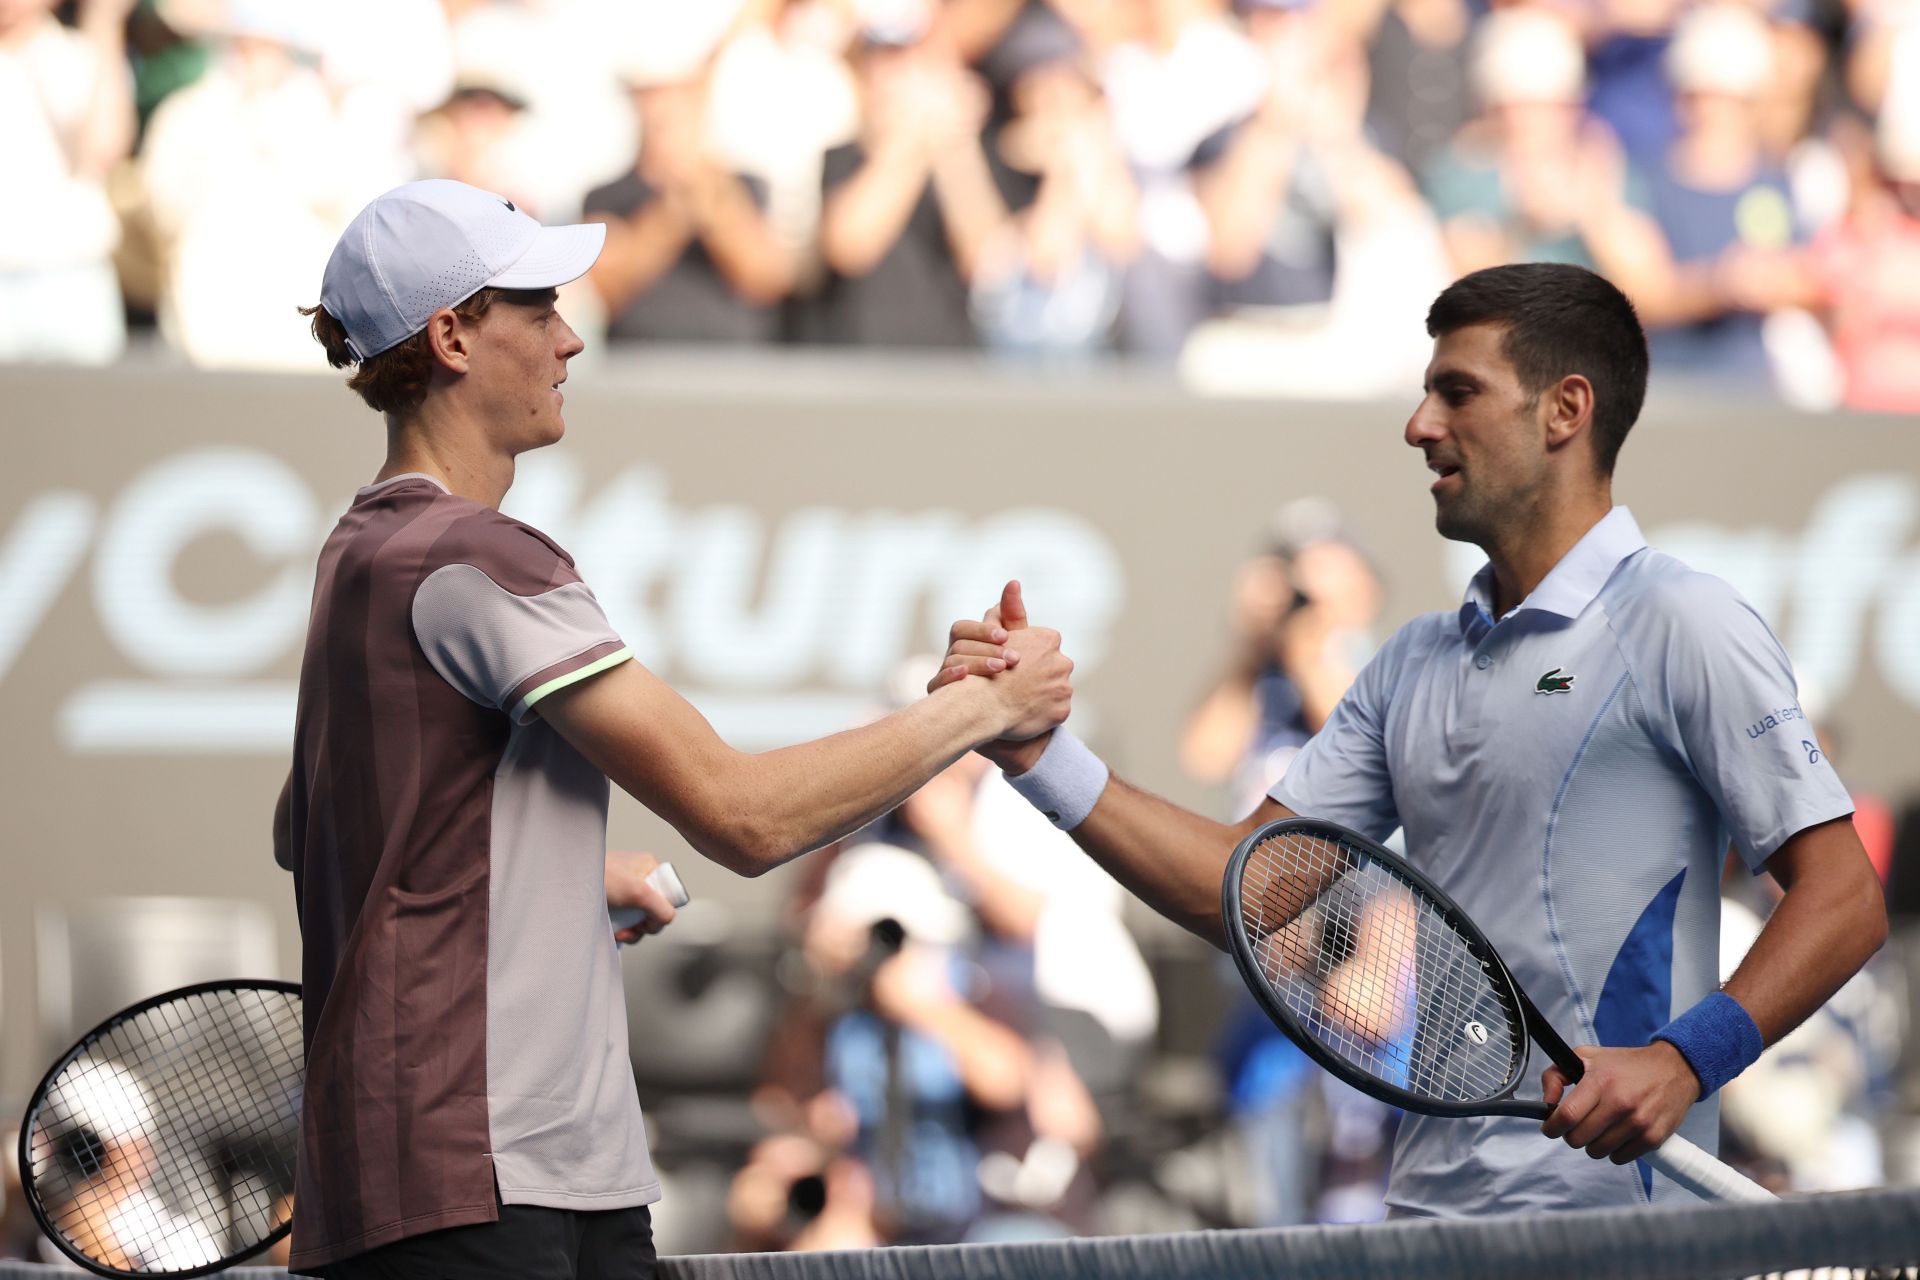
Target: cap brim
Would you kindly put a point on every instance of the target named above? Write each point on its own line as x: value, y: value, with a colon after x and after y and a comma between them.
x: 556, y: 256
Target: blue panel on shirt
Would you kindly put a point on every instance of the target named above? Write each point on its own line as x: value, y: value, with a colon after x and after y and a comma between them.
x: 1638, y: 996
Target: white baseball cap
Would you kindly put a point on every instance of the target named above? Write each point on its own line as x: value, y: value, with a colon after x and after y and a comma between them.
x: 434, y: 244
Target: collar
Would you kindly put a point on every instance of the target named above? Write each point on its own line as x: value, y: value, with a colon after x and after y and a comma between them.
x: 1571, y: 585
x: 369, y: 490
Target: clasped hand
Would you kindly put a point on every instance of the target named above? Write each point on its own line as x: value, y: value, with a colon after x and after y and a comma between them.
x: 1027, y: 669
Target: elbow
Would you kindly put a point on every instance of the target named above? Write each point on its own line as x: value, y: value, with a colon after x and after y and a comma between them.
x: 847, y: 255
x: 745, y: 845
x: 1873, y: 918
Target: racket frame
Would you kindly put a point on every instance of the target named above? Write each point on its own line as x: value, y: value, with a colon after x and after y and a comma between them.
x: 1528, y: 1025
x: 29, y: 1184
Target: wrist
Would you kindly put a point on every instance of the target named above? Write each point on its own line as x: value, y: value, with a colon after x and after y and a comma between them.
x: 1065, y: 782
x: 1718, y: 1039
x: 1016, y: 758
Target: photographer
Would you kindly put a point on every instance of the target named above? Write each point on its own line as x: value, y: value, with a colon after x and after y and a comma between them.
x: 1302, y: 612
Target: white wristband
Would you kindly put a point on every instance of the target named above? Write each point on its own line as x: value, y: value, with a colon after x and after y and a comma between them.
x: 1065, y: 783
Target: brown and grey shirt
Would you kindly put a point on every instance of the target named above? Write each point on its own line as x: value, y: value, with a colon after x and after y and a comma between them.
x: 464, y: 1019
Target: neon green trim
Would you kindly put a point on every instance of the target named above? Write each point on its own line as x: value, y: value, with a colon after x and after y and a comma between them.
x: 594, y: 668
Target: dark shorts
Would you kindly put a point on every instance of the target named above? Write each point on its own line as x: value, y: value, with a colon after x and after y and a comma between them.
x: 527, y: 1243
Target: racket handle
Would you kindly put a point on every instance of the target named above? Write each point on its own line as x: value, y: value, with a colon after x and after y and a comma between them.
x: 667, y: 881
x: 1702, y: 1174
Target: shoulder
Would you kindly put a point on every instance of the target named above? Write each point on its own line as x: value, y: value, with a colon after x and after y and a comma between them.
x: 1663, y: 611
x: 621, y: 197
x: 515, y: 555
x: 841, y: 162
x: 439, y: 529
x: 1656, y: 593
x: 1406, y: 649
x: 1420, y: 636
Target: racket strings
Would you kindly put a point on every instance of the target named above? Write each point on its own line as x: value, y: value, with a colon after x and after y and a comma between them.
x: 1372, y: 970
x: 187, y: 1116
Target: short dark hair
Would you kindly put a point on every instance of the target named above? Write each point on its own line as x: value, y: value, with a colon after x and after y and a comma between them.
x: 395, y: 381
x: 1559, y: 320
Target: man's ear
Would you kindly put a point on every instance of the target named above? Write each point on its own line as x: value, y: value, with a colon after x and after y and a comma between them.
x: 450, y: 339
x: 1567, y: 410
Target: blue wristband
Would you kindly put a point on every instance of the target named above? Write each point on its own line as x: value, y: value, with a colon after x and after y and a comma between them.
x: 1718, y: 1039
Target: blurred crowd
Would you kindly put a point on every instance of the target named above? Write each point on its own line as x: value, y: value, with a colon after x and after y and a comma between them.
x: 1266, y: 192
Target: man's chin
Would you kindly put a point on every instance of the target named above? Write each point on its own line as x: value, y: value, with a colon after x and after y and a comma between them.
x: 1455, y: 527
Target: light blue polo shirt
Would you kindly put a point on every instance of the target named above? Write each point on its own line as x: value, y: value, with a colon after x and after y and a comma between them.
x: 1571, y: 775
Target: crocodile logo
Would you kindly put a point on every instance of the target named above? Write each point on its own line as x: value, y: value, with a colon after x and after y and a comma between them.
x: 1554, y: 682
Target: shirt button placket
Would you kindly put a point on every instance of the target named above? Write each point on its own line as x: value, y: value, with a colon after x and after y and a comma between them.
x: 1483, y: 661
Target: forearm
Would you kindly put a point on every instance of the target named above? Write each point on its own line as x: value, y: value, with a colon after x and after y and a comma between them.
x: 1817, y: 938
x: 862, y: 220
x: 1217, y: 734
x: 969, y: 203
x: 1629, y: 249
x: 1170, y: 858
x: 744, y: 248
x: 1007, y: 907
x: 993, y: 1062
x: 639, y: 251
x: 814, y: 793
x: 106, y: 132
x: 1240, y: 198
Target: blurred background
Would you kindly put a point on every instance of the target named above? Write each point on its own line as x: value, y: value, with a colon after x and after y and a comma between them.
x: 900, y: 299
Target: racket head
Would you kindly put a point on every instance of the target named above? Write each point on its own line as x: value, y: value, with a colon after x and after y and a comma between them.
x: 1375, y: 972
x: 163, y: 1142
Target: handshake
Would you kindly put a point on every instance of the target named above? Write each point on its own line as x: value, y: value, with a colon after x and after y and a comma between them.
x: 1025, y: 691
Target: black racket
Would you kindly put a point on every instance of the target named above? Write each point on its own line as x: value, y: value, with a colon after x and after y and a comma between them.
x: 1385, y: 982
x: 163, y: 1143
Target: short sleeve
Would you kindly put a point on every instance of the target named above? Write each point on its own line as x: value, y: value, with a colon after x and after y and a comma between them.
x: 506, y: 650
x: 1725, y: 686
x: 1341, y: 775
x: 839, y: 164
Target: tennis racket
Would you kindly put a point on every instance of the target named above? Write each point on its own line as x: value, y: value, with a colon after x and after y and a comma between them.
x: 163, y: 1143
x: 667, y: 881
x: 1384, y: 981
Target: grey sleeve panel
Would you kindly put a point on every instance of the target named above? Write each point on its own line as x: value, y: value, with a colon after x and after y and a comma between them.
x: 486, y: 641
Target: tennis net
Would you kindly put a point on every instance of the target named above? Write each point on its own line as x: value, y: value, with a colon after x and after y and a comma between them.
x: 1868, y: 1235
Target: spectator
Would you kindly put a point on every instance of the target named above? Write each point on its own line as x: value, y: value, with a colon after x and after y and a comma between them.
x: 472, y: 136
x: 248, y: 165
x: 1182, y: 75
x: 1532, y: 179
x: 1865, y: 268
x: 690, y: 256
x: 781, y: 95
x: 909, y: 207
x: 67, y: 103
x: 168, y: 42
x: 1052, y: 917
x: 560, y: 57
x: 1630, y: 90
x: 1723, y: 205
x: 1315, y: 236
x: 910, y: 1055
x: 1303, y: 610
x: 1050, y: 280
x: 1417, y: 73
x: 481, y: 132
x: 793, y: 1193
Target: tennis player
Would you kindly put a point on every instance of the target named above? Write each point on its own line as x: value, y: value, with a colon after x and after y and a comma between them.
x: 470, y: 1108
x: 1568, y: 753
